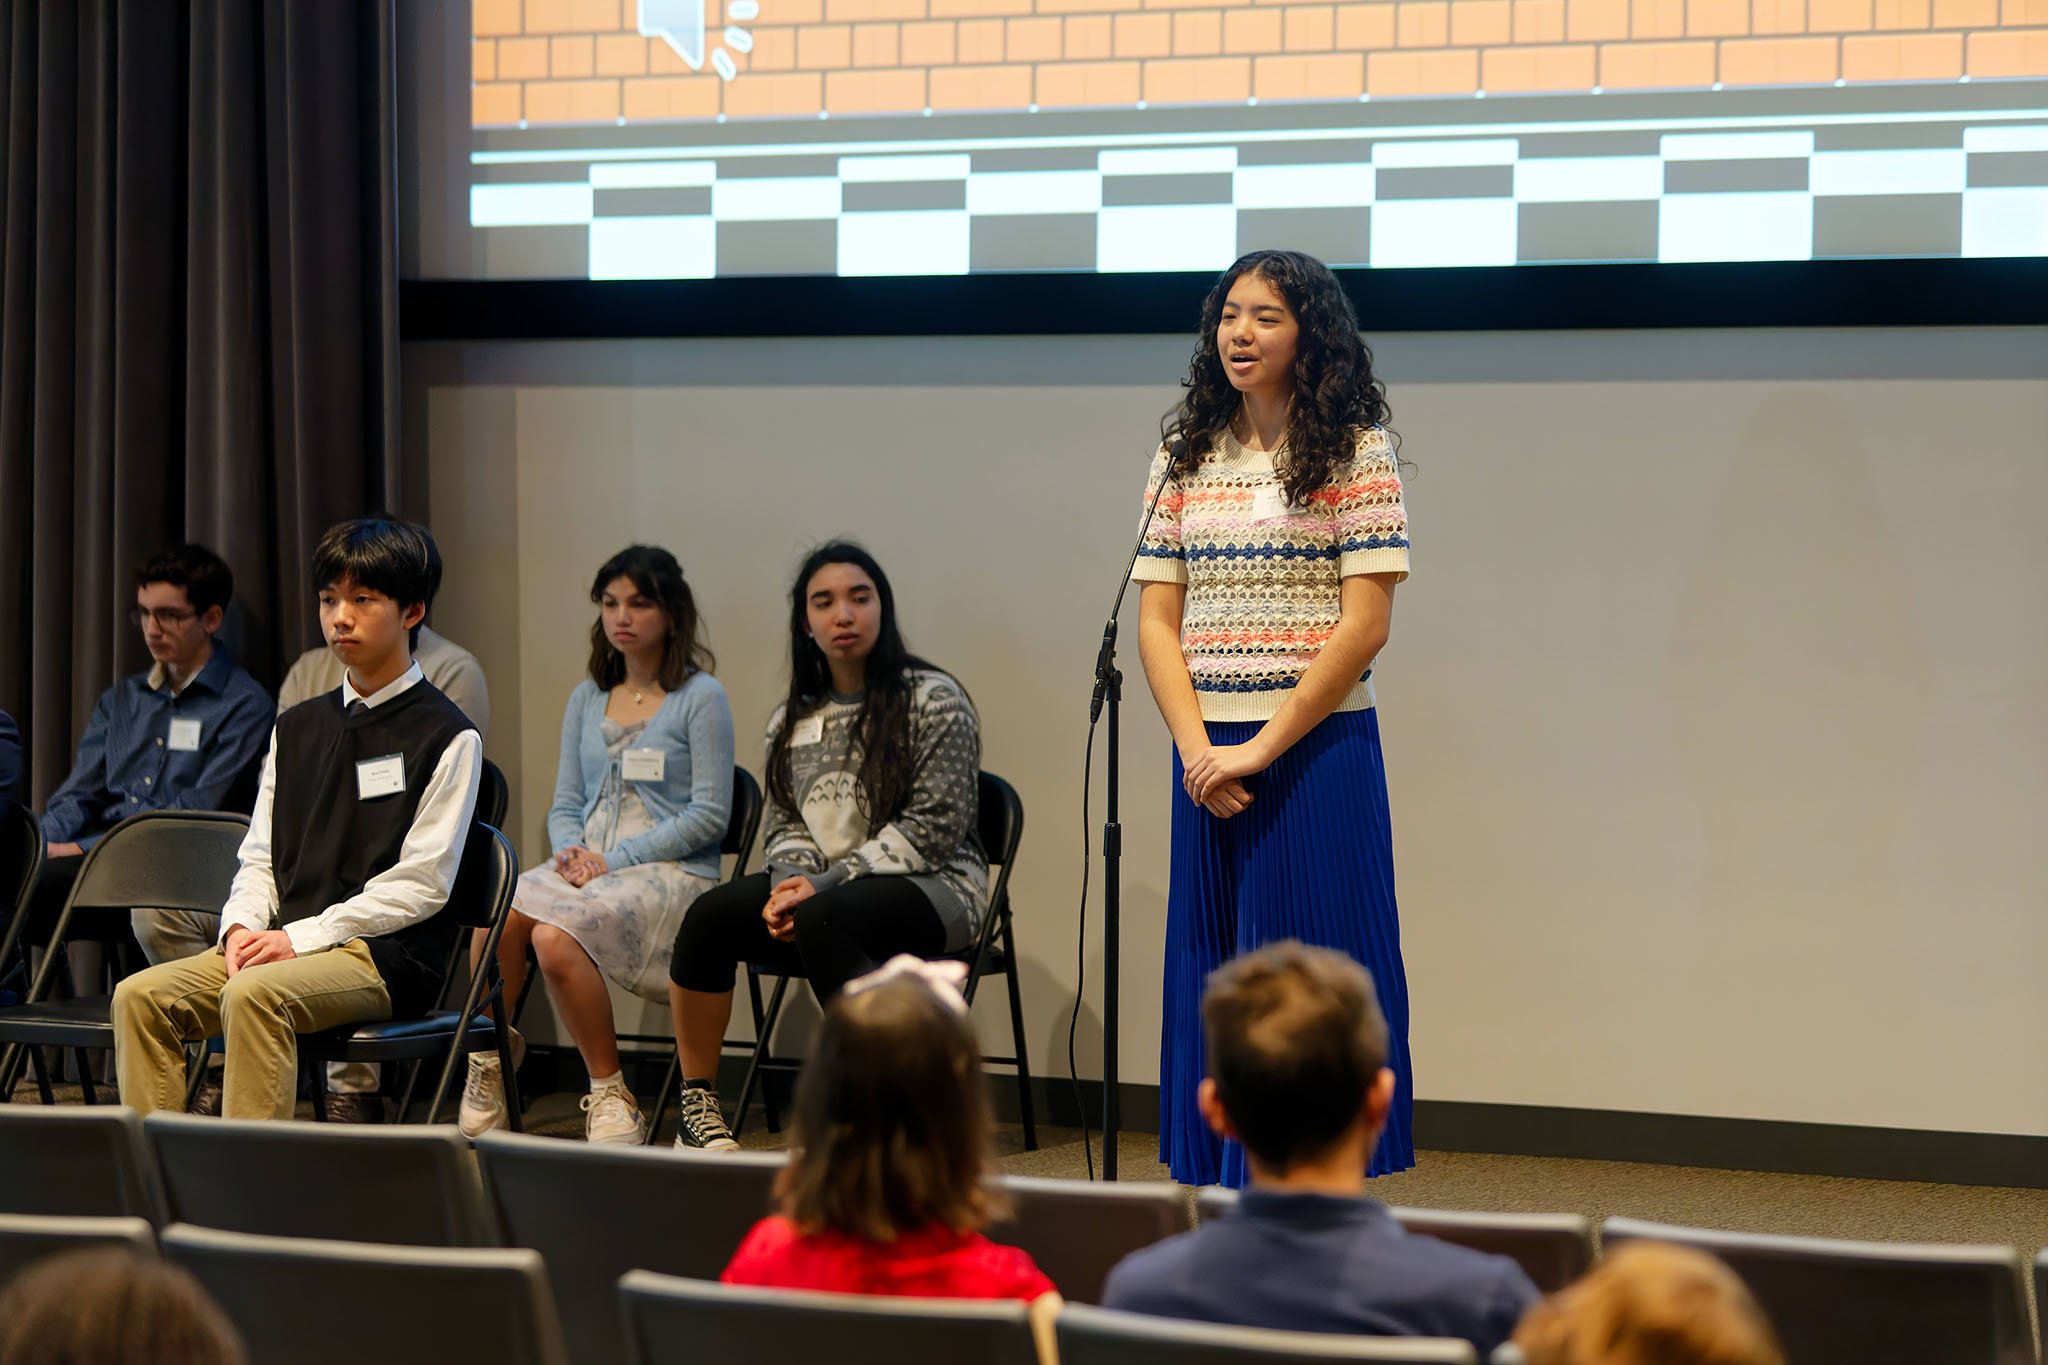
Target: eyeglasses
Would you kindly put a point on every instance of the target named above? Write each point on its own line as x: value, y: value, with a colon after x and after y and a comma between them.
x: 165, y: 617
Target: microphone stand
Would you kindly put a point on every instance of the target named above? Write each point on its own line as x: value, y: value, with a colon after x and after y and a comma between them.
x: 1109, y: 688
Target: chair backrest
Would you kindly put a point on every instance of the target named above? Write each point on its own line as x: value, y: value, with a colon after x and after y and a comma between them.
x: 1100, y: 1336
x: 1553, y: 1249
x: 169, y: 859
x: 27, y: 1238
x: 1878, y: 1303
x: 744, y: 822
x: 21, y: 858
x: 484, y: 880
x: 493, y: 795
x: 688, y: 1213
x: 670, y: 1319
x: 88, y: 1161
x: 411, y: 1185
x: 396, y: 1305
x: 1078, y: 1231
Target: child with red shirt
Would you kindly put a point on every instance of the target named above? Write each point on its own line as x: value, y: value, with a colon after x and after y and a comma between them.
x: 886, y: 1189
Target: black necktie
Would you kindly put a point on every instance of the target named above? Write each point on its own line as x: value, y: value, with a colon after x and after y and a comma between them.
x: 357, y: 707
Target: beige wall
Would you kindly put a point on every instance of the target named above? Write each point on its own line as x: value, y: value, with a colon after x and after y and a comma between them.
x: 1713, y: 710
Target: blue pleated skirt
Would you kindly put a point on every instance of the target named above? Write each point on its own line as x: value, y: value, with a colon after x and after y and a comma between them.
x: 1311, y: 859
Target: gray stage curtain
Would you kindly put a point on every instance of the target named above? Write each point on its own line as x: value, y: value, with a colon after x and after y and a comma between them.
x: 198, y: 321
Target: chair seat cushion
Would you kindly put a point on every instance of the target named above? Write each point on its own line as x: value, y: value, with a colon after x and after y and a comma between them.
x: 84, y: 1022
x: 396, y: 1039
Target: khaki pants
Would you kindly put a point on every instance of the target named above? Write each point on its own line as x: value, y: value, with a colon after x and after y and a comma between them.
x: 260, y: 1011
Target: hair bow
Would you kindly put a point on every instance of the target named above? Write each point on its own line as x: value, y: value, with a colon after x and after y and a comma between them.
x: 943, y: 978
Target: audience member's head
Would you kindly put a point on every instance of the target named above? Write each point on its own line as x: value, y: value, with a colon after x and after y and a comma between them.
x: 181, y: 597
x: 1651, y: 1304
x: 891, y: 1132
x: 1297, y: 1055
x: 112, y: 1307
x: 387, y: 557
x: 646, y: 581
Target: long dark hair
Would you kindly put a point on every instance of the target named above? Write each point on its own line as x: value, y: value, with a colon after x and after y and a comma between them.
x: 1336, y: 395
x: 891, y: 1129
x: 882, y: 729
x: 654, y: 571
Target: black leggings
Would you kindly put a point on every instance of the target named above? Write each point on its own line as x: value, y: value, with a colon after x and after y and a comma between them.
x: 840, y: 934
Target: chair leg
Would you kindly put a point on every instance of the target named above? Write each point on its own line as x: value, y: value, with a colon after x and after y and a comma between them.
x: 670, y: 1081
x: 409, y: 1091
x: 515, y: 1111
x: 317, y: 1088
x: 41, y: 1067
x: 82, y: 1059
x: 761, y: 1041
x: 768, y: 1106
x: 1017, y: 1036
x: 195, y: 1074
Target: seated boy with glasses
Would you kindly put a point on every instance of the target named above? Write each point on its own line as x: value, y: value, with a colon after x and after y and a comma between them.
x: 187, y: 733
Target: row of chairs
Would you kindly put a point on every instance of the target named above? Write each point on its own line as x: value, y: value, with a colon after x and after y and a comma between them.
x: 433, y: 1305
x: 595, y: 1213
x: 186, y: 860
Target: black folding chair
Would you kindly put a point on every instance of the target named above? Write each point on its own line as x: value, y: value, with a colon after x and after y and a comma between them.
x: 21, y: 867
x: 480, y: 899
x: 493, y: 796
x: 173, y: 860
x: 1000, y: 825
x: 740, y: 829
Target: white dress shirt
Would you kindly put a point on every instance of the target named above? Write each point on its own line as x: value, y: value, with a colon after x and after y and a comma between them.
x: 411, y: 889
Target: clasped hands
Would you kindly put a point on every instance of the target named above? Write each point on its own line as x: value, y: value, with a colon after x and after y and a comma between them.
x: 780, y: 912
x: 577, y: 864
x: 1214, y: 776
x: 246, y: 947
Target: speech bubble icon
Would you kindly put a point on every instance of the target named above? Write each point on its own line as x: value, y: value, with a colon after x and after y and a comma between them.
x: 678, y: 22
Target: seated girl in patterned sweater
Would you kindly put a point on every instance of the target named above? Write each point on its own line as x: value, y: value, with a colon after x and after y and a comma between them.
x: 874, y: 762
x: 886, y: 1189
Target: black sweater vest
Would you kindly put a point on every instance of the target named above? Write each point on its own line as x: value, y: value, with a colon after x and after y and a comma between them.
x: 326, y: 842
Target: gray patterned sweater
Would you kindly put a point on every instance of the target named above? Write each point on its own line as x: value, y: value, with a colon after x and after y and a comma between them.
x: 932, y: 840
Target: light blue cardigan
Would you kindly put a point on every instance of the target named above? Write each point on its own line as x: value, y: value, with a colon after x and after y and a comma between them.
x: 692, y: 802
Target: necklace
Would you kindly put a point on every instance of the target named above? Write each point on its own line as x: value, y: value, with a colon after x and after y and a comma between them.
x: 638, y: 698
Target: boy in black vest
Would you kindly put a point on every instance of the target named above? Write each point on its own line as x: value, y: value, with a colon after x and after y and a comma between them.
x: 366, y: 801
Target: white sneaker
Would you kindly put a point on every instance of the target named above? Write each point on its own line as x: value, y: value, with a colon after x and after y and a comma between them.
x: 483, y: 1097
x: 613, y: 1116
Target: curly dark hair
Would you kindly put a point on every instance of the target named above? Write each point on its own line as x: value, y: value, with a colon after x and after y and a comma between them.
x: 888, y: 766
x: 1336, y: 395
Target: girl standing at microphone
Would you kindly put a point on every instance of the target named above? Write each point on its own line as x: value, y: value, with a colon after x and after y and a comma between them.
x: 1268, y: 579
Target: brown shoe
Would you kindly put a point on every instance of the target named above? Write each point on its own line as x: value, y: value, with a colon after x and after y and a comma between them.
x: 207, y: 1101
x: 351, y: 1106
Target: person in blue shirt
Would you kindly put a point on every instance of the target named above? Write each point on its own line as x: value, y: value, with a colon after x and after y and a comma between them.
x: 1296, y: 1072
x: 10, y: 759
x: 188, y: 733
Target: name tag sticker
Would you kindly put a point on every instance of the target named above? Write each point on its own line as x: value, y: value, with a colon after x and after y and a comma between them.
x: 184, y: 734
x: 643, y: 765
x: 377, y: 777
x: 809, y: 730
x: 1269, y: 503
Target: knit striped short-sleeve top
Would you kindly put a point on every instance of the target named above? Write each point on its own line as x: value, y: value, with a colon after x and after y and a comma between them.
x: 1264, y: 577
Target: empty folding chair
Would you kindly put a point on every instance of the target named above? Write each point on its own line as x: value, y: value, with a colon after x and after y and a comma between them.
x: 308, y: 1302
x: 1877, y: 1303
x: 1078, y: 1231
x: 413, y: 1186
x: 1100, y: 1336
x: 27, y: 1238
x: 669, y: 1319
x: 174, y: 859
x: 76, y: 1161
x: 688, y: 1212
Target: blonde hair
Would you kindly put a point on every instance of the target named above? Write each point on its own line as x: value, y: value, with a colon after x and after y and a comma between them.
x: 1650, y: 1303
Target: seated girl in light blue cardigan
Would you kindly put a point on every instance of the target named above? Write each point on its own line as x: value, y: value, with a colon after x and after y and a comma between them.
x: 642, y: 796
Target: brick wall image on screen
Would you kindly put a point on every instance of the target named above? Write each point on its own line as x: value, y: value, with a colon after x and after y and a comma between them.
x: 569, y: 62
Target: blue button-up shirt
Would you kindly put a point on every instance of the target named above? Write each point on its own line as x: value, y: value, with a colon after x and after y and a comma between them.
x: 1323, y: 1263
x: 126, y: 764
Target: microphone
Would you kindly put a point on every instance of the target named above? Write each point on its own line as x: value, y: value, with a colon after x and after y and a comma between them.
x: 1105, y: 658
